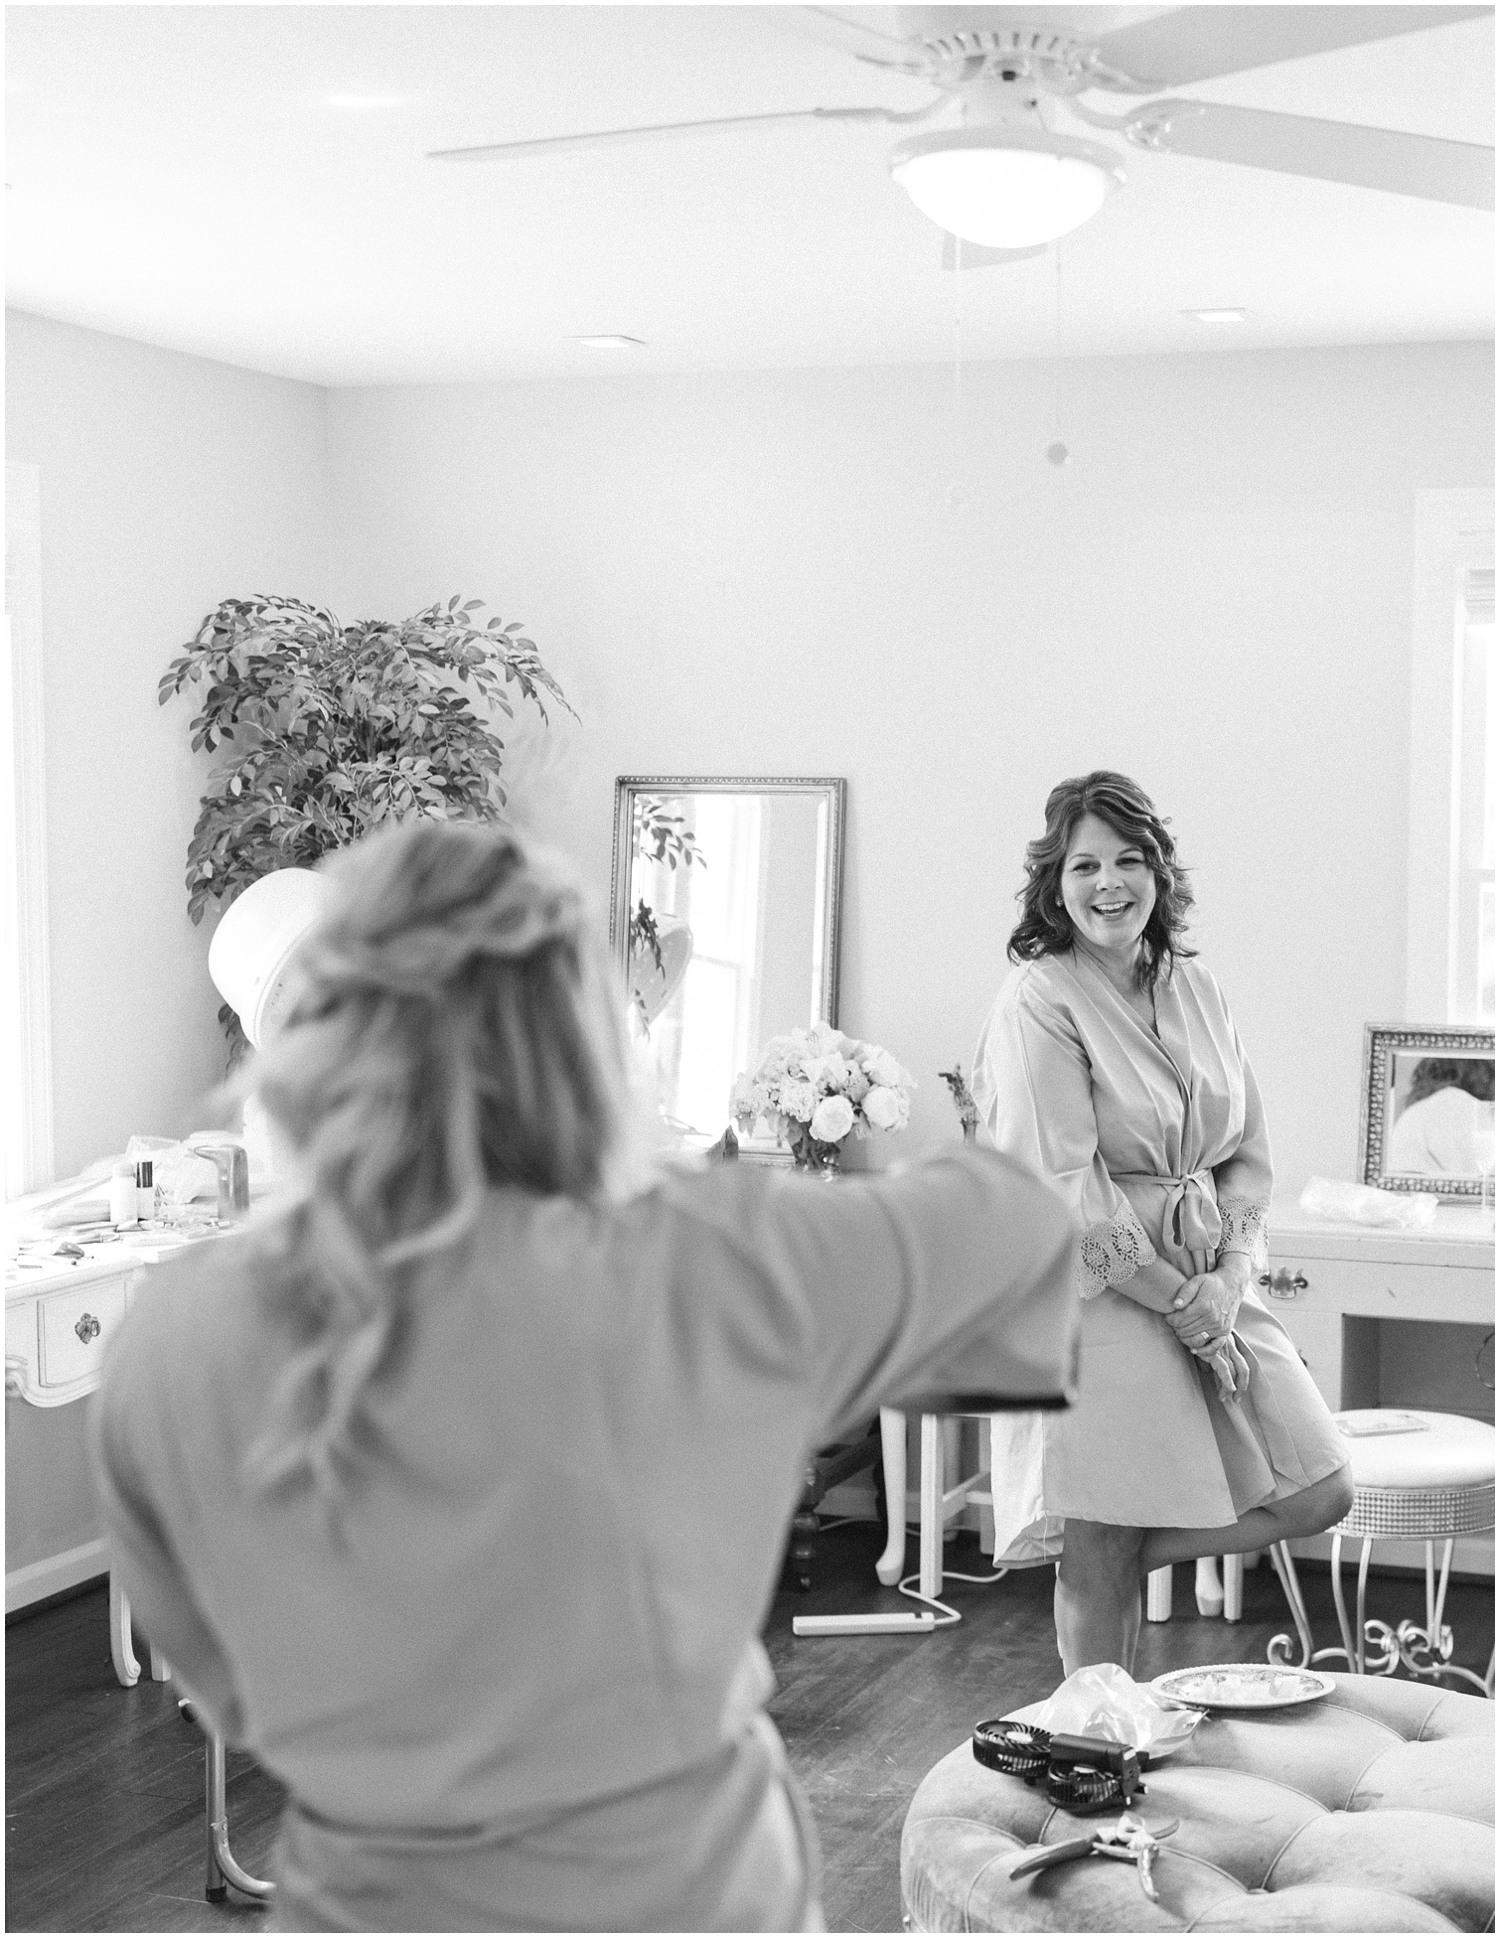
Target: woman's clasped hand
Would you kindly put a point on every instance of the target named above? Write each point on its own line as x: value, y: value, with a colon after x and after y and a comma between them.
x: 1203, y: 1316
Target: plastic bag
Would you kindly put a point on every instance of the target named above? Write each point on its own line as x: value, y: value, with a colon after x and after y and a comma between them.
x: 1103, y: 1701
x: 1365, y: 1204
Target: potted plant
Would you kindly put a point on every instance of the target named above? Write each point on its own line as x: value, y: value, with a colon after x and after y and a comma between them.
x: 324, y: 730
x: 658, y: 833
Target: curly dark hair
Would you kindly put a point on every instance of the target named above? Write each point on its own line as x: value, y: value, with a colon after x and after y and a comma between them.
x: 1045, y: 928
x: 1476, y: 1074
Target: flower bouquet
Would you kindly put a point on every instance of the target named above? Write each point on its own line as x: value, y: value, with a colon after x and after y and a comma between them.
x: 817, y: 1086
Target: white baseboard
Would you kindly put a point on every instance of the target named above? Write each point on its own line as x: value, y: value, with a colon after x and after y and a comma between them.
x: 57, y: 1573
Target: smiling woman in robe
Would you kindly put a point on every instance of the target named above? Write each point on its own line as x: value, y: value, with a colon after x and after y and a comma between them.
x: 1111, y: 1067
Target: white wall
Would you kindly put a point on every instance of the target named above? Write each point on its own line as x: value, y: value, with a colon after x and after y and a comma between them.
x: 168, y: 483
x: 764, y: 573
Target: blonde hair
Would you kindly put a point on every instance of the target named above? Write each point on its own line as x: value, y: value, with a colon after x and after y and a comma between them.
x: 456, y: 1028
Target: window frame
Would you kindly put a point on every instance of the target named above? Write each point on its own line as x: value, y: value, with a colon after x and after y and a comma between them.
x: 1454, y: 534
x: 27, y: 756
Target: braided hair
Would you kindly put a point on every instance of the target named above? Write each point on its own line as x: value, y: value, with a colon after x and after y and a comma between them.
x: 1045, y: 928
x: 455, y: 1029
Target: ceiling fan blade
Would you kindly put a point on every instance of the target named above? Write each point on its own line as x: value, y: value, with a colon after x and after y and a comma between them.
x: 1330, y: 151
x: 857, y: 37
x: 974, y: 255
x: 1185, y: 44
x: 603, y: 137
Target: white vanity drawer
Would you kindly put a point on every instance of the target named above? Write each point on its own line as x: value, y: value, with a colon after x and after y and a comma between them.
x: 73, y: 1327
x: 1378, y: 1288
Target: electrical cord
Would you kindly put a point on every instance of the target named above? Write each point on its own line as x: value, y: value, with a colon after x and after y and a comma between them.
x: 947, y: 1614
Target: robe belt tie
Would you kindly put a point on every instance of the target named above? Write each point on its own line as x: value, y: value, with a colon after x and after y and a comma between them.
x: 1190, y: 1217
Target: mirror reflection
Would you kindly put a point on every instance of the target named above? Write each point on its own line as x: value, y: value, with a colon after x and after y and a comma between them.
x: 1441, y: 1121
x: 725, y: 921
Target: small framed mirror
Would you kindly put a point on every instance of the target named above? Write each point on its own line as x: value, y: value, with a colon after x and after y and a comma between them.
x: 724, y: 919
x: 1427, y: 1109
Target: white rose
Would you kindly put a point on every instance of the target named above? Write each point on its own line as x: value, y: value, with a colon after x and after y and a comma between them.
x: 832, y: 1120
x: 796, y: 1099
x: 884, y: 1069
x: 883, y: 1107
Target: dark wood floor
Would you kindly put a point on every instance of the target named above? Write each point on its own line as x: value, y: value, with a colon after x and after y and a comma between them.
x: 104, y: 1786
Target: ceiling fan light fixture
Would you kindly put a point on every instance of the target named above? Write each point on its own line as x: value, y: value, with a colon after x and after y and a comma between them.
x: 1006, y: 187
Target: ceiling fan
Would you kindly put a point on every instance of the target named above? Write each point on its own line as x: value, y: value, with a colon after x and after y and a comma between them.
x: 1010, y: 176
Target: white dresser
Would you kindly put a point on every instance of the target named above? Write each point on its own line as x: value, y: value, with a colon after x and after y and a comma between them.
x: 59, y: 1317
x: 1391, y: 1318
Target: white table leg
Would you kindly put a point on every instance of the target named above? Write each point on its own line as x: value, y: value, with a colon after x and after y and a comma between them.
x: 1159, y: 1595
x: 121, y: 1648
x: 1206, y: 1589
x: 892, y: 1563
x: 1234, y: 1587
x: 930, y: 1581
x: 161, y: 1669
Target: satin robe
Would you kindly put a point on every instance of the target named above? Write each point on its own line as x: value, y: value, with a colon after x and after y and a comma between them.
x: 524, y: 1688
x: 1156, y: 1141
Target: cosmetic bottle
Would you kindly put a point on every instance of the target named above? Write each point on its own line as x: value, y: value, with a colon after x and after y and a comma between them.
x: 122, y: 1197
x: 145, y: 1190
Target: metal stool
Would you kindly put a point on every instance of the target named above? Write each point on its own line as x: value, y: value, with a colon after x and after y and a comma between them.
x: 1418, y: 1476
x: 222, y: 1868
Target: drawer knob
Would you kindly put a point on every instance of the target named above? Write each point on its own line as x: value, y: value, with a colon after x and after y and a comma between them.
x: 1283, y: 1284
x: 87, y: 1328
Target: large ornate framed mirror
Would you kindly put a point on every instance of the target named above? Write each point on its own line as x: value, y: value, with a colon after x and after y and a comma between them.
x: 724, y: 919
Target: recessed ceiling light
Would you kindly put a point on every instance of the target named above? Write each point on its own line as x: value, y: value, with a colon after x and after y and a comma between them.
x: 1214, y: 316
x: 610, y: 342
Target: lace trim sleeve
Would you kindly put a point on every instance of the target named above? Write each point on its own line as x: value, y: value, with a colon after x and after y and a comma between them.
x: 1242, y: 1223
x: 1109, y: 1253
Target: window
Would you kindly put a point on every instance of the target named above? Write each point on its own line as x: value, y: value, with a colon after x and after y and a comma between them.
x: 25, y: 1013
x: 1451, y: 856
x: 1472, y: 960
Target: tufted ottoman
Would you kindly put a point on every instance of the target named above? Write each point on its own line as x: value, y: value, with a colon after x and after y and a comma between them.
x: 1372, y: 1810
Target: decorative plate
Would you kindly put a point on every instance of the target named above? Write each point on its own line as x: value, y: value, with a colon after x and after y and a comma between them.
x: 1242, y: 1685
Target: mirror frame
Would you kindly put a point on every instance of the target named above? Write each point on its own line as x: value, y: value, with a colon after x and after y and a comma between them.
x: 1382, y: 1041
x: 834, y: 790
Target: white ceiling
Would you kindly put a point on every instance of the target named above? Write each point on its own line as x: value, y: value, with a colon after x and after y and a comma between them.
x: 249, y: 183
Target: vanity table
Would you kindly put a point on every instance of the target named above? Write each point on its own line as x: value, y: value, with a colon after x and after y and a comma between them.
x: 1391, y: 1318
x: 59, y: 1316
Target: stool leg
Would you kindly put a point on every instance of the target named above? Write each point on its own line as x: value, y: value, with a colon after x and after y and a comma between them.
x: 222, y: 1865
x: 1234, y: 1587
x: 952, y: 1464
x: 1206, y: 1590
x: 1359, y: 1606
x: 930, y: 1580
x: 1159, y: 1595
x: 1435, y: 1608
x: 1279, y: 1648
x: 1356, y: 1662
x: 892, y: 1563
